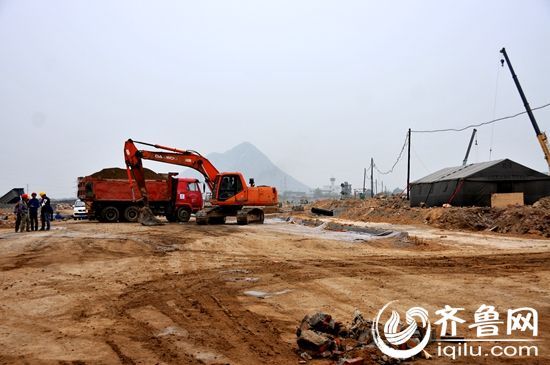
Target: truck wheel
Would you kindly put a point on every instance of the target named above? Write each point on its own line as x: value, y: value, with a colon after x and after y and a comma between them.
x: 110, y: 214
x: 131, y: 213
x: 183, y: 214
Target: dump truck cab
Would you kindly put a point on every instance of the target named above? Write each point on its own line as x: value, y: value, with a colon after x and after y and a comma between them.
x: 188, y: 199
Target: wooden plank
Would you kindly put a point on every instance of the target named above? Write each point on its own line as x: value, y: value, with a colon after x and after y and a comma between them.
x: 506, y: 199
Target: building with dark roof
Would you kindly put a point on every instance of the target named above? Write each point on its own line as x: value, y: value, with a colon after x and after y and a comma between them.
x: 12, y: 196
x: 473, y: 185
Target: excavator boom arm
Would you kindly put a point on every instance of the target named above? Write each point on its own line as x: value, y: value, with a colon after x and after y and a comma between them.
x: 133, y: 157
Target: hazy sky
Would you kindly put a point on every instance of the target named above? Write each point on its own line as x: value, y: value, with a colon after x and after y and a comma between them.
x: 319, y: 86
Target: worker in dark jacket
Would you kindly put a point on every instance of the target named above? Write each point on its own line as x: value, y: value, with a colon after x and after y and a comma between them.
x: 34, y: 205
x: 46, y: 211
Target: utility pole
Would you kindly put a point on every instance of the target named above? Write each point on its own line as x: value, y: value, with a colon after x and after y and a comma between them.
x: 409, y: 164
x: 364, y: 180
x: 376, y: 186
x: 543, y: 140
x: 371, y: 176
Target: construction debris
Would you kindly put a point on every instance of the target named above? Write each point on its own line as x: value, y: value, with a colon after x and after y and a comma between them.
x: 322, y: 211
x: 320, y: 336
x: 529, y: 219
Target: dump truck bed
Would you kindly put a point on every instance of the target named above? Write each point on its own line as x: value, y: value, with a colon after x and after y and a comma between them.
x: 96, y: 189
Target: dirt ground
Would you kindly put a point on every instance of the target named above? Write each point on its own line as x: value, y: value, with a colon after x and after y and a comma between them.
x: 92, y: 293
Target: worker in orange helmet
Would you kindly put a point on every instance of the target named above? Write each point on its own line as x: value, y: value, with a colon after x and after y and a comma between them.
x: 23, y: 211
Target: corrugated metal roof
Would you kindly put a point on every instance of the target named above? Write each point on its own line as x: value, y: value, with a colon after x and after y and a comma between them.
x: 12, y: 196
x: 458, y: 172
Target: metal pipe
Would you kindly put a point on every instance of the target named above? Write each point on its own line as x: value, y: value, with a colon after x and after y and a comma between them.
x: 465, y: 161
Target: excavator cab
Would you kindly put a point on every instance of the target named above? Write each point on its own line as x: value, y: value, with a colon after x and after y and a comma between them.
x: 229, y: 185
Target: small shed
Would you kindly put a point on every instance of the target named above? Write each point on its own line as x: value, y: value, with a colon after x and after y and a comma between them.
x: 12, y: 196
x: 473, y: 185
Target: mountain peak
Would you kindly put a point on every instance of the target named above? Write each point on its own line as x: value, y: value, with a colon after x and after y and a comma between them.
x: 253, y: 163
x: 245, y: 147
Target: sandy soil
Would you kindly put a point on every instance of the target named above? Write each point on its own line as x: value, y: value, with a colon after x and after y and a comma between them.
x: 175, y: 294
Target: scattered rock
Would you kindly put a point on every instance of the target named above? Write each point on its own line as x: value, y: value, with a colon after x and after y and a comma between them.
x: 320, y: 336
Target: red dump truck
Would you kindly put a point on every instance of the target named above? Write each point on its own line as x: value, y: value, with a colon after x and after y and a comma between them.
x: 110, y: 197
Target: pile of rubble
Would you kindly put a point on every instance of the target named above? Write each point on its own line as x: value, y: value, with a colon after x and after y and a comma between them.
x: 7, y: 218
x: 319, y: 336
x: 533, y: 220
x: 529, y: 219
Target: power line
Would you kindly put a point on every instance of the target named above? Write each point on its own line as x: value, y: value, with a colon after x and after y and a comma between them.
x: 480, y: 124
x: 396, y: 161
x: 420, y: 160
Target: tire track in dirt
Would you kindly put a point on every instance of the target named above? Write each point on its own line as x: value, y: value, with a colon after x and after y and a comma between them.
x: 204, y: 307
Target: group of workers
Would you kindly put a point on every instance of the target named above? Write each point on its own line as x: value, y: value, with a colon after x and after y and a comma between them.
x: 26, y: 211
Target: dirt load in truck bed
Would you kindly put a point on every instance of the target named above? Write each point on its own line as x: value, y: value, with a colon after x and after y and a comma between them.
x: 118, y: 173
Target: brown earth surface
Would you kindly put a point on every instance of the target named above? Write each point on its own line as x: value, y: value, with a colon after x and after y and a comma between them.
x: 91, y: 293
x: 523, y: 220
x: 118, y: 173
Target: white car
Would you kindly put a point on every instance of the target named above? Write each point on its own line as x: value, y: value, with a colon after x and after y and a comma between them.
x: 79, y: 210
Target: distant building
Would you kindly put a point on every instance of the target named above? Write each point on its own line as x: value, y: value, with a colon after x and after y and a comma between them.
x: 472, y: 185
x: 346, y: 189
x: 12, y: 196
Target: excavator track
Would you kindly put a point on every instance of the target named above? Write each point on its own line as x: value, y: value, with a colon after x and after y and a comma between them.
x: 217, y: 215
x: 250, y: 215
x: 212, y: 215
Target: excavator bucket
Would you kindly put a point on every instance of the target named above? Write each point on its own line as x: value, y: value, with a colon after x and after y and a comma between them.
x: 147, y: 218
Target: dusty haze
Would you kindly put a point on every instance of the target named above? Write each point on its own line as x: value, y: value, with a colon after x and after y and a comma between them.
x: 319, y: 86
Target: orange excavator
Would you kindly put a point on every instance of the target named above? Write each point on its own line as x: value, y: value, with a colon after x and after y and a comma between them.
x: 231, y: 196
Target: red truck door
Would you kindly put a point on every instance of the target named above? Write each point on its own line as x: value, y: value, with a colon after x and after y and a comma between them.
x: 189, y: 193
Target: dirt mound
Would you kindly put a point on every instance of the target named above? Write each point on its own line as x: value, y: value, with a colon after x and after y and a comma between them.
x: 7, y: 218
x: 543, y: 203
x: 118, y: 173
x: 392, y: 209
x: 527, y: 219
x: 514, y: 219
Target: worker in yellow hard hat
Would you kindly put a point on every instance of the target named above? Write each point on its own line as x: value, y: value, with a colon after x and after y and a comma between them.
x: 46, y: 211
